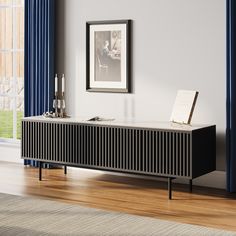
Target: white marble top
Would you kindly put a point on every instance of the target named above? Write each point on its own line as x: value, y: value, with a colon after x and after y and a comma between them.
x: 119, y: 123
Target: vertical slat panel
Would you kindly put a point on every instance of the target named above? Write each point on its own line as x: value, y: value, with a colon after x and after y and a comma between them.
x: 169, y: 153
x: 108, y: 146
x: 41, y: 140
x: 29, y: 139
x: 133, y: 150
x: 72, y: 143
x: 138, y: 149
x: 173, y: 153
x: 87, y: 145
x: 150, y: 152
x: 110, y: 153
x: 127, y: 156
x: 105, y: 146
x: 184, y: 155
x: 160, y: 151
x: 59, y: 157
x: 85, y: 154
x: 146, y: 151
x: 120, y: 149
x: 67, y: 141
x: 47, y: 141
x: 57, y: 142
x: 29, y: 128
x: 181, y: 154
x: 163, y: 152
x: 130, y: 149
x: 76, y: 144
x: 177, y: 154
x: 100, y: 146
x: 33, y: 139
x: 51, y: 141
x: 92, y: 145
x: 123, y: 148
x: 115, y: 149
x: 80, y: 144
x: 188, y: 155
x: 126, y: 150
x: 166, y: 152
x: 63, y: 142
x: 22, y: 139
x: 157, y: 150
x: 25, y: 138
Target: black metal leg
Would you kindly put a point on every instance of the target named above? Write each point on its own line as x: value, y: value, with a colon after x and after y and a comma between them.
x: 40, y: 171
x: 170, y: 187
x: 65, y: 170
x: 190, y: 185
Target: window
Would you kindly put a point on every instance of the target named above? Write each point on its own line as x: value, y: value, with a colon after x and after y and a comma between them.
x: 11, y: 68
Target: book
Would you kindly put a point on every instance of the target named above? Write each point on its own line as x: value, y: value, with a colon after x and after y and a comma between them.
x: 98, y: 118
x: 184, y: 106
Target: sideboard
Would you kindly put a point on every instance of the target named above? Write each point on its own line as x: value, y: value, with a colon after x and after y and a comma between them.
x: 161, y: 149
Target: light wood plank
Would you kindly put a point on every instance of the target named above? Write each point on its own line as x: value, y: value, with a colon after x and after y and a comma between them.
x: 146, y: 197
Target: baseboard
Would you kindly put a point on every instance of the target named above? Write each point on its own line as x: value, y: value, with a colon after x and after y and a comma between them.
x: 215, y: 179
x: 10, y: 153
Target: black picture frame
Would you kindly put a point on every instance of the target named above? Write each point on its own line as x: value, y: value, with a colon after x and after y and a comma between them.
x: 115, y: 75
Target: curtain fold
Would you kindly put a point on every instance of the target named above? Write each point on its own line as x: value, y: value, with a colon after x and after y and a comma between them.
x: 231, y: 96
x: 39, y: 58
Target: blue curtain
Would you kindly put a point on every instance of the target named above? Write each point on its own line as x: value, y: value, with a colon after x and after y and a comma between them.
x: 231, y: 96
x: 39, y: 58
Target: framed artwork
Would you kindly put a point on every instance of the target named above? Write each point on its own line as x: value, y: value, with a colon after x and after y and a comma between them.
x: 108, y: 58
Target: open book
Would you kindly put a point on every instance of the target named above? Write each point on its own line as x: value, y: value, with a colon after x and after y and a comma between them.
x: 183, y: 107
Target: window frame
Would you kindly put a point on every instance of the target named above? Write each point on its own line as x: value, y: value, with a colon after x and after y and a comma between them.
x: 14, y: 49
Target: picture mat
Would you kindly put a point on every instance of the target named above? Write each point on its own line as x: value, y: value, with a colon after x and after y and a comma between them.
x: 107, y: 84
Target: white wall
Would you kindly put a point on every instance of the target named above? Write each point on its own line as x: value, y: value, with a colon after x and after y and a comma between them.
x: 177, y: 44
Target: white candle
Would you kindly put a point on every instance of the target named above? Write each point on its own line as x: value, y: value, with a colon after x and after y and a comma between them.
x: 56, y: 83
x: 63, y: 83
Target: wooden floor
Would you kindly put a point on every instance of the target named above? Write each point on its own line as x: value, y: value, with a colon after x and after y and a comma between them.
x: 205, y: 206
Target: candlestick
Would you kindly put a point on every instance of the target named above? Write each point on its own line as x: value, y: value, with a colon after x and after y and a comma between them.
x: 63, y: 83
x: 56, y: 84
